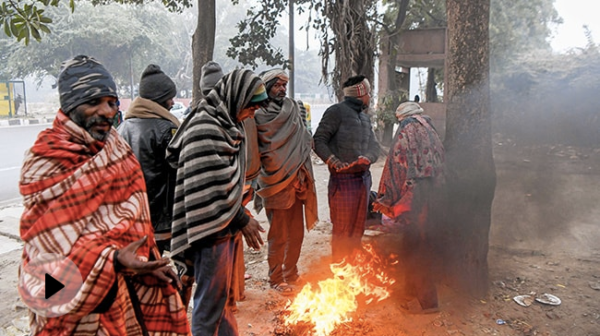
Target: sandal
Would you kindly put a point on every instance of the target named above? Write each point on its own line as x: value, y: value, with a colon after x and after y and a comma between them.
x: 284, y: 289
x: 299, y: 281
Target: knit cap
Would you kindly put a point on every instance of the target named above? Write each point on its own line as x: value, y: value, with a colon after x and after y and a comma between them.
x: 82, y: 79
x: 260, y: 94
x: 156, y: 85
x: 211, y: 74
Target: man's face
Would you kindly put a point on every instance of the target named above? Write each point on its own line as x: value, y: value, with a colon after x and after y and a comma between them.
x: 247, y: 112
x: 169, y: 103
x: 366, y: 99
x: 96, y: 116
x: 278, y: 90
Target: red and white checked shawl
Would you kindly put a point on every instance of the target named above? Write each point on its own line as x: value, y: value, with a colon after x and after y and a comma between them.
x: 84, y: 199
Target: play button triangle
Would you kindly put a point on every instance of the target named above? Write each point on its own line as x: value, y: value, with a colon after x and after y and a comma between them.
x: 53, y: 286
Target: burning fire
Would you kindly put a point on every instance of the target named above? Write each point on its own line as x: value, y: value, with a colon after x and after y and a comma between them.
x: 335, y: 298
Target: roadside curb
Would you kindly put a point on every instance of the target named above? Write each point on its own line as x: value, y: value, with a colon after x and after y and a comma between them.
x: 25, y: 121
x: 10, y: 238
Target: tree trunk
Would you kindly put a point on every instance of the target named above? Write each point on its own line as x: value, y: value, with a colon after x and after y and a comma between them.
x: 430, y: 89
x: 203, y: 43
x: 471, y: 175
x: 389, y: 93
x: 354, y: 42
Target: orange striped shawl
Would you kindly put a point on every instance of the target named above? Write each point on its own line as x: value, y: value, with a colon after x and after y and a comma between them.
x: 84, y: 199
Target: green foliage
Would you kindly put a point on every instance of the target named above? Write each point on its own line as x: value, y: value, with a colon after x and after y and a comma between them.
x: 255, y: 33
x: 26, y: 20
x: 387, y: 104
x: 122, y: 37
x: 518, y: 27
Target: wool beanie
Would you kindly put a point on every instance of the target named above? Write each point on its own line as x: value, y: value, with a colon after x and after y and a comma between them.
x: 156, y: 86
x: 211, y: 74
x: 82, y: 79
x: 260, y: 94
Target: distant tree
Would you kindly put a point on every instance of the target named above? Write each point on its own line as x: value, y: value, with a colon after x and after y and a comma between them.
x: 26, y: 20
x: 471, y: 175
x: 203, y: 42
x: 124, y: 38
x: 346, y: 31
x: 518, y: 27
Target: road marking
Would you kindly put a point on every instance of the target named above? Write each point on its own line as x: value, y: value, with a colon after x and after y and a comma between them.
x: 9, y: 168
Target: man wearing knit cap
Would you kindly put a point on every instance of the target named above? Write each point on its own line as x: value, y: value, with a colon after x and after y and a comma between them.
x: 86, y: 223
x: 148, y: 128
x: 209, y: 153
x: 211, y: 74
x: 345, y: 140
x: 286, y: 183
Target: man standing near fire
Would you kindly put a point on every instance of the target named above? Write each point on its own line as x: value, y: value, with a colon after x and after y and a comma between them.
x: 286, y: 183
x: 345, y: 141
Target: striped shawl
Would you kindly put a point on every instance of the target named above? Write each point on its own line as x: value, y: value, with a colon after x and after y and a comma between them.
x: 83, y: 200
x: 209, y: 153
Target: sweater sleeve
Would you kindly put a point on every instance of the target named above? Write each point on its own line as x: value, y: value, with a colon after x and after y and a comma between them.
x: 241, y: 219
x: 328, y: 127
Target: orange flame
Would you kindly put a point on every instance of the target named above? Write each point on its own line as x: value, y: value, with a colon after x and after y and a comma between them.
x: 334, y: 300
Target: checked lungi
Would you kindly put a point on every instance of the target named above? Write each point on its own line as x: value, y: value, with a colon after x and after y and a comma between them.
x: 348, y: 196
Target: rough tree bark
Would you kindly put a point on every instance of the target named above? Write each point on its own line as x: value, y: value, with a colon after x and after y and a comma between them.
x: 203, y: 43
x: 430, y: 89
x: 388, y: 89
x: 471, y: 175
x: 354, y: 41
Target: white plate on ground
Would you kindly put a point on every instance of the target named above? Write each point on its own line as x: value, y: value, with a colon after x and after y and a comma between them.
x: 548, y: 299
x: 524, y: 300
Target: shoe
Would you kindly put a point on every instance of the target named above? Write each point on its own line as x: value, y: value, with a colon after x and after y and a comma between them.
x: 247, y: 276
x: 284, y: 289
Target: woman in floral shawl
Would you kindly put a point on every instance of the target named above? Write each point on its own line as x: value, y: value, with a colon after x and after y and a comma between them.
x: 410, y: 193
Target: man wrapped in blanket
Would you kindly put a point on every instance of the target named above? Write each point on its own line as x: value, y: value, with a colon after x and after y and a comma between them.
x: 210, y: 155
x: 86, y: 205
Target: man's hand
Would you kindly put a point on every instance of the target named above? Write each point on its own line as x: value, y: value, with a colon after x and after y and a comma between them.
x: 336, y: 164
x: 251, y: 233
x: 361, y: 161
x: 129, y: 259
x: 167, y: 274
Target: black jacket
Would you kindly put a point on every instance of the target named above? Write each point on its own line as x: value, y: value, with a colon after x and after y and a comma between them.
x: 346, y: 132
x: 148, y: 139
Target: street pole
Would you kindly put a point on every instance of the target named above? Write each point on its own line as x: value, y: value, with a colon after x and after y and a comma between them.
x: 291, y: 50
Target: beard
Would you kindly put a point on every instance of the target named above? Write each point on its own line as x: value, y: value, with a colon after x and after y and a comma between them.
x: 87, y: 124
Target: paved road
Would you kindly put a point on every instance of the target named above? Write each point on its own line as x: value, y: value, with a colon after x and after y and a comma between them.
x: 14, y: 141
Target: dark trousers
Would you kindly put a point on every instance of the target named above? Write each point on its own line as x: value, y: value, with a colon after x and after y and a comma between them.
x: 348, y: 204
x: 419, y: 245
x: 285, y: 236
x: 213, y: 269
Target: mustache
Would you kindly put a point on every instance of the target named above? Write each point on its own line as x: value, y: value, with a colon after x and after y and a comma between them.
x: 98, y: 120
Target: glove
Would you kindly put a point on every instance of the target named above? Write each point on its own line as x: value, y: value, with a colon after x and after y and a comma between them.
x: 334, y: 163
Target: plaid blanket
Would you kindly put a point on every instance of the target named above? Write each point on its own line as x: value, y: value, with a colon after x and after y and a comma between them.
x: 84, y: 199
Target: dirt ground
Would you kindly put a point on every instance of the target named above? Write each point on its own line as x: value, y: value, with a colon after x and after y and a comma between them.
x: 544, y: 239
